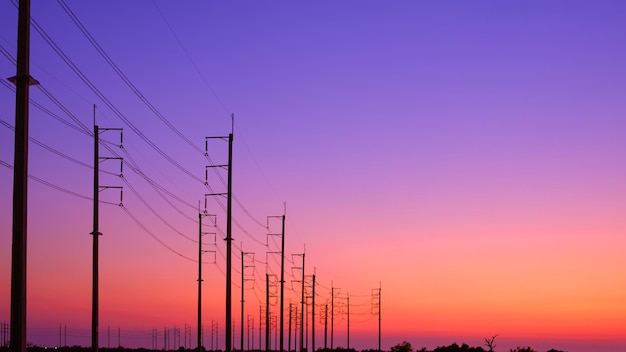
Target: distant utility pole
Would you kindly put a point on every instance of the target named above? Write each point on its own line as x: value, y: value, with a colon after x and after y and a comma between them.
x: 282, y: 277
x: 326, y: 325
x: 348, y: 301
x: 289, y: 339
x: 267, y: 312
x: 22, y: 81
x: 250, y: 328
x: 332, y: 315
x: 313, y: 315
x: 243, y: 280
x: 302, y: 302
x: 213, y: 219
x: 96, y: 233
x: 376, y: 300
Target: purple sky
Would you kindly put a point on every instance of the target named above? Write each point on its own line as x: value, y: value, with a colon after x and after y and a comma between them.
x: 469, y: 157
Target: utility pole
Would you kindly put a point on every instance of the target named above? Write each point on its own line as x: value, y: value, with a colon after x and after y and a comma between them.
x: 96, y: 233
x: 295, y: 328
x: 282, y: 276
x: 376, y: 308
x: 289, y: 343
x: 326, y: 325
x: 267, y: 312
x: 313, y: 315
x: 200, y: 252
x: 243, y: 280
x: 302, y: 347
x: 332, y: 315
x: 229, y: 238
x: 282, y: 282
x: 250, y: 328
x: 348, y: 301
x: 242, y: 292
x: 22, y: 81
x: 199, y: 282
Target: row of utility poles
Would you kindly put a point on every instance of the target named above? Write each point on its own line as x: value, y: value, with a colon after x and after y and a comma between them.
x: 23, y: 81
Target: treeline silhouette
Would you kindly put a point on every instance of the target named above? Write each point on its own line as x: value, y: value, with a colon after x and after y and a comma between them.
x: 401, y: 347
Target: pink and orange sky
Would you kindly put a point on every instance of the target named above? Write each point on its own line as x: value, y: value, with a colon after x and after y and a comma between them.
x: 468, y: 157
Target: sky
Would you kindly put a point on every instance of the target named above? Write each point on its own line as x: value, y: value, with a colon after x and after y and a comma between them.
x: 467, y: 158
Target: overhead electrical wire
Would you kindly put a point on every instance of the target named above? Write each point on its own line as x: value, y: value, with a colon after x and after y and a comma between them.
x: 47, y: 111
x: 83, y: 129
x: 55, y: 151
x: 154, y: 237
x: 125, y: 78
x: 128, y: 82
x: 53, y: 186
x: 110, y: 105
x: 206, y: 82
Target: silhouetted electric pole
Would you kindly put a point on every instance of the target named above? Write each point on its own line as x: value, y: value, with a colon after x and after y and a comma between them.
x: 348, y: 300
x: 267, y: 312
x: 376, y: 300
x: 96, y: 233
x: 282, y: 278
x: 326, y: 325
x: 289, y: 338
x: 302, y: 310
x: 199, y: 282
x: 229, y: 238
x: 200, y: 252
x: 243, y: 280
x: 313, y: 315
x: 332, y: 316
x: 22, y: 81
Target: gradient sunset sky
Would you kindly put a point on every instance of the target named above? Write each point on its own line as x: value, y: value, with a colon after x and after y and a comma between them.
x: 467, y: 157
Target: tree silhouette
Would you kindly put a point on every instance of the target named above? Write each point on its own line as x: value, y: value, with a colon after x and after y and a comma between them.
x: 522, y: 349
x: 402, y: 347
x: 489, y: 343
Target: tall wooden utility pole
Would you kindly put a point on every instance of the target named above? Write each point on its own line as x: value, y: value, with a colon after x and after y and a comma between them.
x: 303, y: 298
x: 379, y: 313
x: 267, y: 312
x: 229, y: 237
x: 348, y: 300
x: 313, y: 315
x: 22, y: 81
x: 332, y: 315
x: 282, y: 284
x: 96, y: 234
x: 243, y: 280
x: 282, y: 277
x: 229, y: 240
x: 199, y: 283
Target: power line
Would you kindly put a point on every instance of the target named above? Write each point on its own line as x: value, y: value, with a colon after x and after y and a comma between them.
x: 53, y: 186
x: 123, y: 76
x: 206, y: 82
x: 155, y: 237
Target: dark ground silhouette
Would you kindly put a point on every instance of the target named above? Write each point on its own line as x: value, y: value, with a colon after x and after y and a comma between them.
x: 401, y: 347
